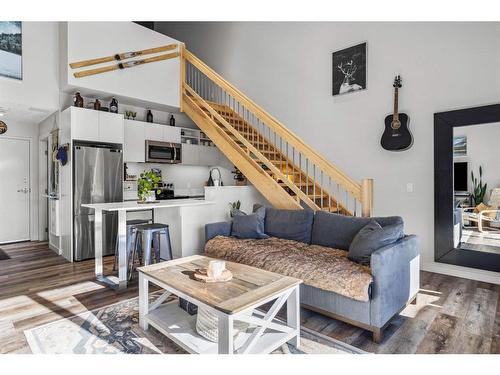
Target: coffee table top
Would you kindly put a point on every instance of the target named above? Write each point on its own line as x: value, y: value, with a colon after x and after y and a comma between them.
x: 248, y: 287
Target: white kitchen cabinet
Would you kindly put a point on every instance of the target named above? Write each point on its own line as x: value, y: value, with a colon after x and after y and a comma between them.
x: 163, y: 133
x: 110, y: 127
x: 190, y: 154
x: 84, y: 124
x: 171, y: 134
x: 134, y: 142
x: 208, y: 156
x: 95, y: 126
x: 154, y: 132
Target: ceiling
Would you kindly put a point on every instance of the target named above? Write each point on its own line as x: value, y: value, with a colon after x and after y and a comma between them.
x: 22, y: 113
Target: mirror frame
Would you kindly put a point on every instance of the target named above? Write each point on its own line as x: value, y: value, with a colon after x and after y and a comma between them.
x: 444, y: 250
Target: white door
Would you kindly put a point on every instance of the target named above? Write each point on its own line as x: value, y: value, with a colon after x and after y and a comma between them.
x: 14, y: 190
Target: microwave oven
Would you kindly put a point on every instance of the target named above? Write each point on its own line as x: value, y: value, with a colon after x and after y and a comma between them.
x: 163, y: 152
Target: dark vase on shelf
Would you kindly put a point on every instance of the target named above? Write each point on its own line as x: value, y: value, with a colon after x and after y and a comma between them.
x: 172, y: 120
x: 97, y: 105
x: 78, y: 100
x: 113, y: 106
x: 149, y: 116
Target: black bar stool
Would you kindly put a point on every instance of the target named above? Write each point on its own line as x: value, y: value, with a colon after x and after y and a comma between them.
x: 150, y: 236
x: 131, y: 230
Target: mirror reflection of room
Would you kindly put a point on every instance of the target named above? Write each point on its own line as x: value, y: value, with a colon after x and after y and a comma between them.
x: 476, y: 178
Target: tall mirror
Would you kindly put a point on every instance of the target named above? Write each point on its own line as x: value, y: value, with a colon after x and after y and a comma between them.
x: 467, y: 187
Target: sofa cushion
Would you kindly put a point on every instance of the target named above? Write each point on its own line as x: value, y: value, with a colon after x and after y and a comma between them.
x: 249, y: 226
x: 318, y: 266
x: 371, y: 238
x: 289, y: 224
x: 338, y: 231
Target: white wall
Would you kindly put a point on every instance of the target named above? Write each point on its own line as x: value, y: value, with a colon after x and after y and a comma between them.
x: 483, y: 149
x: 40, y: 85
x: 156, y: 83
x: 286, y: 68
x: 30, y: 132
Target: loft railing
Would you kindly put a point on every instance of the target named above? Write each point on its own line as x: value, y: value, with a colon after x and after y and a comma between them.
x: 311, y: 179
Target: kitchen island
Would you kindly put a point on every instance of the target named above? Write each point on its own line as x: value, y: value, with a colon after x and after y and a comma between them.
x: 186, y: 219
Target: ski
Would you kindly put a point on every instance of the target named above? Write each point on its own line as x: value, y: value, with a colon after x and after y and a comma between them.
x: 125, y: 65
x: 122, y: 56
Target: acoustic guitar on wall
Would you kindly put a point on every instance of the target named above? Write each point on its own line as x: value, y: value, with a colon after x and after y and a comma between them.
x: 397, y: 135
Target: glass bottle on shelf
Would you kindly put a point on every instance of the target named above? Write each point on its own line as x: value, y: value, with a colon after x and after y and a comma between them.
x: 149, y: 116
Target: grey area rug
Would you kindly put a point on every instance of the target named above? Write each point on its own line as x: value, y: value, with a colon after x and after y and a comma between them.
x: 3, y: 255
x: 115, y: 329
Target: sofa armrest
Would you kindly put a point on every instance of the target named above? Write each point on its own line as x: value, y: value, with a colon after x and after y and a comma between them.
x: 217, y: 229
x: 396, y: 278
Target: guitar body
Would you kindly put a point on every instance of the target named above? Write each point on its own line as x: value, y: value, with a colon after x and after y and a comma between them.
x: 397, y: 135
x: 397, y: 138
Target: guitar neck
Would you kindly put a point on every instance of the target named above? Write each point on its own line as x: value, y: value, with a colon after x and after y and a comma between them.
x: 396, y: 95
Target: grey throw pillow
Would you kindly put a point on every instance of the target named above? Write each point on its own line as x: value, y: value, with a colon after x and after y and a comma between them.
x: 371, y: 238
x: 249, y: 226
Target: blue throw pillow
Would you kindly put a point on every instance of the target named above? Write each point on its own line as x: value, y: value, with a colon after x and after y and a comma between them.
x: 371, y: 238
x: 249, y: 226
x: 289, y: 224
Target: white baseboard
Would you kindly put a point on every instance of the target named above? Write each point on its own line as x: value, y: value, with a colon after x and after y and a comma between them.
x: 464, y: 272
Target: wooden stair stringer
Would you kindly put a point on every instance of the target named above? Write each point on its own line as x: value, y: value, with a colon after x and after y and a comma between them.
x: 264, y: 183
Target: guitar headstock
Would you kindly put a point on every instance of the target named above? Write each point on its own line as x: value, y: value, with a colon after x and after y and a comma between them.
x: 397, y: 82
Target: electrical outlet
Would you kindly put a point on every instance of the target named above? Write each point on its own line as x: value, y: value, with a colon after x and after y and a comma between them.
x: 409, y: 187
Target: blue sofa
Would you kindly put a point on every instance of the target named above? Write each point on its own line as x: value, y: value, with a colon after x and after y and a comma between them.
x: 394, y: 268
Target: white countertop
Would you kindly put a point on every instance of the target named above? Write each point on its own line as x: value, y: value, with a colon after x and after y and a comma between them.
x: 134, y: 206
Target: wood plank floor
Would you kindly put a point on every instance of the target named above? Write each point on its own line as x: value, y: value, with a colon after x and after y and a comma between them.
x: 452, y: 315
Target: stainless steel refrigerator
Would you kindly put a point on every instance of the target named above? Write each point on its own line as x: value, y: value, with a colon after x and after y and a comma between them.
x: 97, y: 178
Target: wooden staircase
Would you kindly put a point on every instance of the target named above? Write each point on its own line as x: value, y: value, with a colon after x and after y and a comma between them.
x: 288, y: 172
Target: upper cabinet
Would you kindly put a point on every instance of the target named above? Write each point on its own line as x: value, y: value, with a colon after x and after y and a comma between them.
x: 84, y: 124
x: 134, y: 142
x: 162, y: 133
x: 110, y: 127
x: 154, y: 85
x: 94, y: 126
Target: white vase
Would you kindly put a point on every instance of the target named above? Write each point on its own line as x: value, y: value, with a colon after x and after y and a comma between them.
x: 150, y: 196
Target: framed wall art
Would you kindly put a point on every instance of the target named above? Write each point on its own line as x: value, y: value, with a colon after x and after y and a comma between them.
x: 349, y: 69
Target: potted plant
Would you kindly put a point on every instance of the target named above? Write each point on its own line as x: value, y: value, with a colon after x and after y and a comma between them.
x: 234, y: 206
x: 479, y: 189
x: 240, y: 178
x: 147, y: 184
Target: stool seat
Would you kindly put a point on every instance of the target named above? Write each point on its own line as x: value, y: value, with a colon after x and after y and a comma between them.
x: 137, y: 221
x: 150, y: 237
x: 153, y: 226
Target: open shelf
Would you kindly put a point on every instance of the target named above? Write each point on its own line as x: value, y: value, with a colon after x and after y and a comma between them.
x: 180, y: 327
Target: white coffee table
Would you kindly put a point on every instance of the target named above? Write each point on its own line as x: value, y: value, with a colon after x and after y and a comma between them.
x: 237, y: 299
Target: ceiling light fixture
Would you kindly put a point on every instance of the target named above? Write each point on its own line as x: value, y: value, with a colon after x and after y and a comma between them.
x: 3, y: 127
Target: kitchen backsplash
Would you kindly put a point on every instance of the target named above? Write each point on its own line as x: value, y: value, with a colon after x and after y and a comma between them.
x: 187, y: 180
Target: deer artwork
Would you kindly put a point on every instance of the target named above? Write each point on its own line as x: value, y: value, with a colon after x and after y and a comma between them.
x: 348, y: 69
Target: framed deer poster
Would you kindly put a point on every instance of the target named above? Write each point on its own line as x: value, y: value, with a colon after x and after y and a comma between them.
x: 349, y: 69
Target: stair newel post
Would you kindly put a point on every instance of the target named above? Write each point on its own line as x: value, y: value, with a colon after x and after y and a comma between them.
x: 367, y: 197
x: 182, y: 64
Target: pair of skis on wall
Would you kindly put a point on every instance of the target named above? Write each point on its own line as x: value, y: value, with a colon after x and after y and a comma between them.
x: 123, y: 64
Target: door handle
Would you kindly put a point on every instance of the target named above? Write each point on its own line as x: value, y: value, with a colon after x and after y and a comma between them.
x: 24, y: 190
